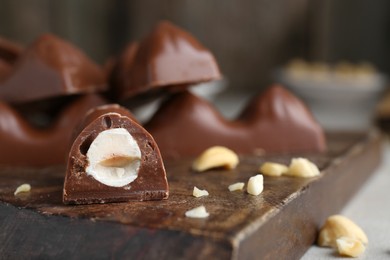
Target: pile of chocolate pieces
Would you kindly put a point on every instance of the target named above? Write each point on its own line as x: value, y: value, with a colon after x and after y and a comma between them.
x: 58, y: 107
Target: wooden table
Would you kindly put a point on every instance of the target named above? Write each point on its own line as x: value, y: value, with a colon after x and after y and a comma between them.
x: 280, y: 223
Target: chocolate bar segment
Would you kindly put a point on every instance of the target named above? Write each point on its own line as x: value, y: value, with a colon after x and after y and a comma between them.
x: 21, y: 144
x: 114, y: 159
x: 282, y: 123
x: 274, y: 122
x: 51, y: 67
x: 167, y: 57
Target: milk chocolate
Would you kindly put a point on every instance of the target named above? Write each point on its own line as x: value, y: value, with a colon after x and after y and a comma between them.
x: 168, y: 57
x: 51, y: 67
x: 104, y: 165
x: 274, y: 122
x: 98, y: 111
x: 21, y: 144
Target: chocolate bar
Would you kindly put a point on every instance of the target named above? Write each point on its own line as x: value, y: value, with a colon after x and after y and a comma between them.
x: 274, y: 122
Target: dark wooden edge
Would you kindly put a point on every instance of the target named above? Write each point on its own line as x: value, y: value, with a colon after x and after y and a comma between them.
x: 26, y: 234
x: 290, y: 233
x: 294, y: 228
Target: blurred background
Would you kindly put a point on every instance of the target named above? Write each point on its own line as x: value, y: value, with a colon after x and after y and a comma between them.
x: 249, y: 38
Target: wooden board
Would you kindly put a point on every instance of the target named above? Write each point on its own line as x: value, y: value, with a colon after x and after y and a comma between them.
x: 280, y: 223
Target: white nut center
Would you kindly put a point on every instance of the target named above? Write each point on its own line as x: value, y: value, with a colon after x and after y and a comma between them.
x: 114, y: 158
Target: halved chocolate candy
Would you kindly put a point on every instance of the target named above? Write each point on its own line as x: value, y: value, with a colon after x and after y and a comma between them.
x: 114, y: 159
x: 167, y: 57
x: 51, y: 67
x: 274, y: 122
x: 21, y: 144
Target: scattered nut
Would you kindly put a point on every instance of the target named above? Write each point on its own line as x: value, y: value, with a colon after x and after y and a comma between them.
x: 199, y: 193
x: 273, y: 169
x: 214, y: 157
x: 337, y: 226
x: 199, y: 212
x: 302, y: 167
x: 236, y: 186
x: 22, y: 188
x: 255, y: 185
x: 114, y: 158
x: 350, y: 246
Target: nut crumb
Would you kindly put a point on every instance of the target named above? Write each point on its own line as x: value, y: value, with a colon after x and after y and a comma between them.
x: 199, y: 193
x: 236, y: 186
x: 255, y: 185
x: 350, y: 246
x: 302, y: 167
x: 199, y: 212
x: 337, y: 226
x: 273, y: 169
x: 23, y: 188
x: 215, y: 157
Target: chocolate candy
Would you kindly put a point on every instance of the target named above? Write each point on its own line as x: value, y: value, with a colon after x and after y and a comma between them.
x: 51, y: 67
x: 114, y: 159
x: 24, y: 145
x: 274, y: 122
x: 167, y: 57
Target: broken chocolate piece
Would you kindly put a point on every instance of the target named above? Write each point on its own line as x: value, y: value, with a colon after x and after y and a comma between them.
x: 24, y: 145
x: 114, y: 159
x: 274, y: 122
x: 51, y: 67
x: 167, y: 57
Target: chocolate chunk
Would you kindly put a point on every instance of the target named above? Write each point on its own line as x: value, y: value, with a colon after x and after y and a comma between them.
x: 114, y: 159
x: 167, y: 57
x: 275, y: 122
x: 24, y: 145
x: 51, y: 67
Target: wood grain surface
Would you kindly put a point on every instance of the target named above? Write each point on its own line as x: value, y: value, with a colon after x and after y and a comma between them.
x: 281, y: 222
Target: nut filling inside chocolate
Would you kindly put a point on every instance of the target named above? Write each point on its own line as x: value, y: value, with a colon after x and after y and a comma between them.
x: 114, y: 158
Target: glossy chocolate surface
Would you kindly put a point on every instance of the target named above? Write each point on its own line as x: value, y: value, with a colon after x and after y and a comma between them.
x: 167, y: 57
x: 274, y: 122
x: 24, y: 145
x: 98, y: 111
x: 81, y: 188
x: 51, y: 67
